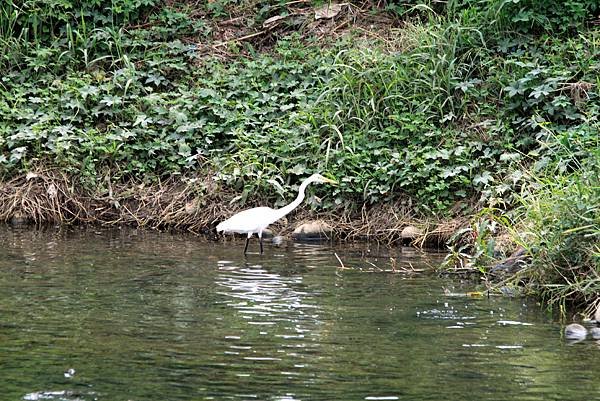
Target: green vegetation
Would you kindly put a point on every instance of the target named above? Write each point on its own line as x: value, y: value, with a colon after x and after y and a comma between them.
x: 561, y: 226
x: 446, y: 108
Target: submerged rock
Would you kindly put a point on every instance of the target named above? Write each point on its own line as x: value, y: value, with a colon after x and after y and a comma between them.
x: 313, y: 231
x: 277, y: 240
x: 515, y: 262
x: 575, y: 331
x: 18, y: 219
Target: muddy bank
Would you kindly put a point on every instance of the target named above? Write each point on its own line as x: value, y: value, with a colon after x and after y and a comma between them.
x: 197, y: 204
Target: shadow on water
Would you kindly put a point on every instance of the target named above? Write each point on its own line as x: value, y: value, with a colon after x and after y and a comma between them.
x: 134, y: 315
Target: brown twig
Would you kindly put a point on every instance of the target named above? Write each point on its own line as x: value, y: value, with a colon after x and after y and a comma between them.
x: 242, y: 38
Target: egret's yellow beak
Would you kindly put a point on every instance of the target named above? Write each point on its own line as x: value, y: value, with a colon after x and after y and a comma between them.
x: 329, y: 181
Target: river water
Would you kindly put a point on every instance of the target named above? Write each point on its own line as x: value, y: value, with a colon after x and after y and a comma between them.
x: 135, y: 315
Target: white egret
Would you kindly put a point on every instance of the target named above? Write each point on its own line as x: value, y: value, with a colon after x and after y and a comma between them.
x: 255, y: 220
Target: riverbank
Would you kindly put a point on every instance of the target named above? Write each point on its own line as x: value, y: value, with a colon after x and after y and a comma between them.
x: 50, y: 196
x: 474, y: 121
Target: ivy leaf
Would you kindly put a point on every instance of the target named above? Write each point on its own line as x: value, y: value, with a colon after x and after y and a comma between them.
x: 17, y: 153
x: 513, y: 89
x: 184, y: 149
x: 142, y: 120
x: 155, y: 80
x: 543, y: 90
x: 298, y: 169
x: 63, y: 129
x: 110, y: 100
x: 484, y: 178
x: 88, y: 90
x: 277, y: 185
x: 509, y: 156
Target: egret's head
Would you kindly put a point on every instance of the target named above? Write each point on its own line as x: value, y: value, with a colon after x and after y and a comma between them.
x: 320, y: 179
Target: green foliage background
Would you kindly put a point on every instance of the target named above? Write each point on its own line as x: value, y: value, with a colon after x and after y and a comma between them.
x: 468, y: 105
x: 474, y: 92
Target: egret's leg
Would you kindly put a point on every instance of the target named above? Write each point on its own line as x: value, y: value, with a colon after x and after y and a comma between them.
x: 260, y: 240
x: 247, y: 241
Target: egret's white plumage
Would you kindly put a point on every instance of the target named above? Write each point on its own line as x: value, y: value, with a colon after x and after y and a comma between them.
x: 255, y: 220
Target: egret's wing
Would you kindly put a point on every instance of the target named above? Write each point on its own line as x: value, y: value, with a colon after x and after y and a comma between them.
x: 248, y: 221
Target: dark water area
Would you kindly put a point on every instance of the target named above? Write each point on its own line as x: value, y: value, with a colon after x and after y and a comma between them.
x: 135, y: 315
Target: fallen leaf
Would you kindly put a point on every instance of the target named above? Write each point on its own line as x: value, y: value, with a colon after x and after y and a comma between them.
x: 51, y: 191
x: 270, y: 22
x: 327, y: 11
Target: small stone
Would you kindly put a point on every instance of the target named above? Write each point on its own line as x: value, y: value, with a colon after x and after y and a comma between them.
x: 410, y: 233
x: 575, y: 331
x: 18, y: 219
x: 595, y: 332
x: 515, y: 262
x: 190, y: 207
x: 31, y: 176
x: 277, y: 240
x: 313, y: 230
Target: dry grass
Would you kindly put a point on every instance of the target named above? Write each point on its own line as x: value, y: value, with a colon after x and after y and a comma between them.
x: 188, y: 204
x: 50, y: 196
x: 41, y: 196
x: 384, y: 223
x: 299, y: 16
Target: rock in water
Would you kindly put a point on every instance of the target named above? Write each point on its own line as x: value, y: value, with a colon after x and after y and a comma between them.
x: 277, y: 240
x: 313, y: 231
x: 595, y: 332
x: 575, y: 331
x: 410, y: 233
x: 18, y: 219
x: 512, y: 264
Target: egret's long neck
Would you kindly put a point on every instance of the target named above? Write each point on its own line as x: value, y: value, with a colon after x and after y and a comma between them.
x: 288, y: 208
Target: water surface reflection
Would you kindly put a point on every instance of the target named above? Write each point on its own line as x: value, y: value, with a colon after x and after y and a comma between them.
x: 133, y: 315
